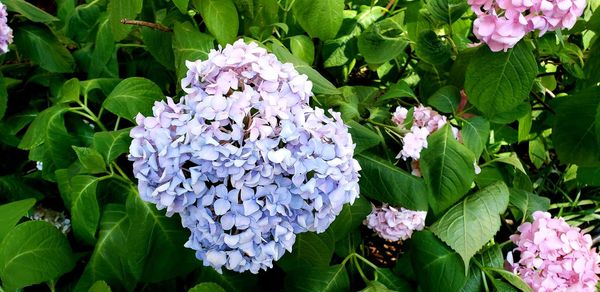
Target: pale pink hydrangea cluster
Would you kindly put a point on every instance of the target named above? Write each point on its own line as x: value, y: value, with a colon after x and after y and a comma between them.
x: 425, y: 121
x: 6, y: 33
x: 502, y: 23
x: 395, y: 224
x: 554, y: 256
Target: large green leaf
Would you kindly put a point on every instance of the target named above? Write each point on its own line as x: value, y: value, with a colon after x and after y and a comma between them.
x: 189, y: 45
x: 310, y: 250
x: 91, y: 161
x: 207, y: 287
x: 469, y: 225
x: 383, y: 40
x: 104, y: 56
x: 447, y: 11
x: 499, y: 82
x: 320, y: 84
x: 110, y: 259
x: 364, y: 137
x: 29, y: 11
x: 230, y: 281
x: 43, y: 48
x: 303, y: 48
x: 513, y: 279
x: 326, y: 279
x: 437, y: 266
x: 320, y: 19
x: 159, y: 44
x: 13, y: 188
x: 132, y: 96
x: 385, y: 182
x: 221, y: 19
x: 432, y: 49
x: 3, y: 97
x: 34, y: 252
x: 392, y: 281
x: 447, y: 168
x: 119, y: 10
x: 475, y: 133
x: 36, y: 133
x: 162, y: 256
x: 445, y: 99
x: 85, y: 212
x: 112, y: 144
x: 574, y: 132
x: 11, y: 213
x: 350, y: 218
x: 526, y: 203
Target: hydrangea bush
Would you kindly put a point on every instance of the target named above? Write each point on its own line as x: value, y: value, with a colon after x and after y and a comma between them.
x: 331, y: 145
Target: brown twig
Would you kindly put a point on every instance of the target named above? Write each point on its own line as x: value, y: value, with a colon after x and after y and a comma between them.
x: 389, y: 5
x: 146, y: 24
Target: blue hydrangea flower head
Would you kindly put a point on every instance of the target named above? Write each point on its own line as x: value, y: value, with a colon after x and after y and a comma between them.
x: 244, y: 159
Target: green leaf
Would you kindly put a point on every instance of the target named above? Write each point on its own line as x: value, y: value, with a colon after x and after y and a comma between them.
x: 326, y: 279
x: 119, y: 10
x: 85, y: 212
x: 445, y: 99
x: 350, y: 218
x: 91, y: 161
x: 384, y: 182
x: 447, y: 168
x: 110, y: 259
x: 391, y: 281
x: 182, y: 5
x: 189, y: 45
x: 447, y: 11
x: 512, y: 279
x: 364, y: 137
x: 13, y: 188
x: 397, y: 90
x: 375, y: 286
x: 11, y: 213
x: 43, y: 48
x: 574, y: 132
x: 100, y: 286
x: 499, y: 82
x: 475, y: 133
x: 437, y: 266
x: 369, y: 14
x: 320, y: 84
x: 432, y: 49
x: 310, y: 250
x: 230, y: 281
x: 526, y: 203
x: 491, y: 257
x: 589, y: 176
x: 36, y: 133
x: 34, y: 252
x: 70, y: 91
x: 163, y: 255
x: 221, y: 19
x: 525, y: 123
x: 104, y: 57
x: 320, y: 19
x: 159, y: 44
x: 383, y: 40
x: 29, y: 11
x: 303, y: 48
x: 469, y: 225
x: 132, y: 96
x: 112, y: 144
x: 207, y: 287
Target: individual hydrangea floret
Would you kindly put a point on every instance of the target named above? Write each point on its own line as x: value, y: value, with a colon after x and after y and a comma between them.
x: 554, y: 256
x: 502, y: 23
x: 6, y: 33
x: 395, y: 224
x: 244, y: 159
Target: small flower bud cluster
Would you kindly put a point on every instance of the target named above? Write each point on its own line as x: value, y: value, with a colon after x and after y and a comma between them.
x: 425, y: 121
x: 244, y: 159
x: 393, y: 224
x: 554, y: 256
x: 6, y: 33
x: 58, y: 219
x: 502, y: 23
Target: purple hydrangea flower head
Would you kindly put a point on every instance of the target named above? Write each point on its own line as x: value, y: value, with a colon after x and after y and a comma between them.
x: 395, y: 224
x: 244, y: 159
x: 6, y: 33
x: 554, y: 256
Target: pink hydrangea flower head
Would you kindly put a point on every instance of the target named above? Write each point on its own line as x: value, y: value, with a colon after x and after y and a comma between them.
x: 413, y: 143
x: 399, y: 116
x: 556, y: 14
x: 554, y: 256
x: 499, y: 32
x: 6, y: 33
x: 395, y: 224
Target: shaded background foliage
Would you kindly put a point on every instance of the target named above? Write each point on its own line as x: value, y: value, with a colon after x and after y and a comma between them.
x: 76, y: 76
